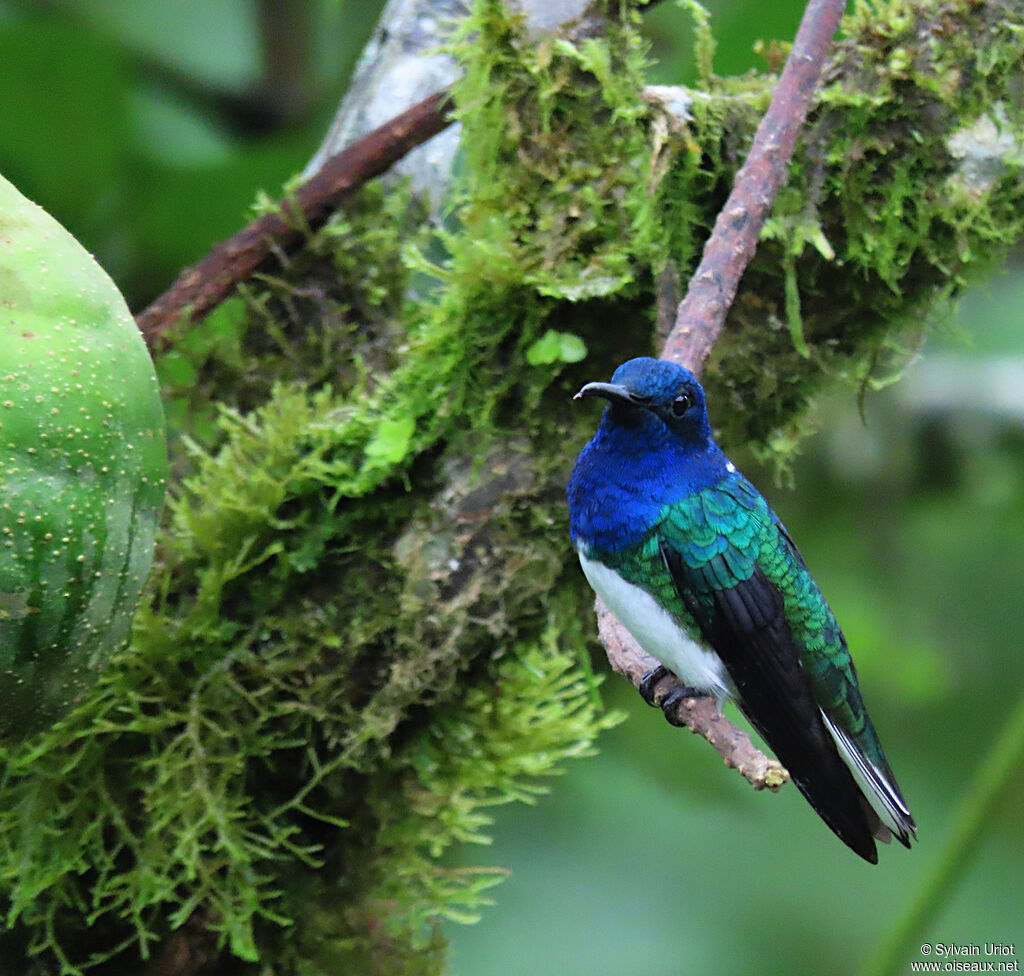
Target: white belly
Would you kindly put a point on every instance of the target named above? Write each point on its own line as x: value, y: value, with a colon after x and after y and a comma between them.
x: 657, y: 632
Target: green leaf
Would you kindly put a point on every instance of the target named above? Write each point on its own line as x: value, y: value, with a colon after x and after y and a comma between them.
x: 82, y: 471
x: 572, y: 348
x: 553, y: 347
x: 175, y: 370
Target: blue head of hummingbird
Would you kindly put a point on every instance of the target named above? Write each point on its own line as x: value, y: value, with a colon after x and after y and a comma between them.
x: 691, y: 559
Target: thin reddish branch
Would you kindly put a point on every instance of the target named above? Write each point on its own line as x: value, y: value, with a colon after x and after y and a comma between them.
x: 698, y: 322
x: 199, y: 288
x: 702, y: 312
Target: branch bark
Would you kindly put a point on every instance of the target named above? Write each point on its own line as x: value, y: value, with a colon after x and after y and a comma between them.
x: 698, y: 323
x: 701, y: 314
x: 199, y: 288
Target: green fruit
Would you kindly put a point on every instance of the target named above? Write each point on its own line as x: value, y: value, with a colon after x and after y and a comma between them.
x: 83, y: 467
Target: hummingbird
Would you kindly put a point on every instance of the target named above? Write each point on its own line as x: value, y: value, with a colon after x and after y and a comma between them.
x: 692, y: 560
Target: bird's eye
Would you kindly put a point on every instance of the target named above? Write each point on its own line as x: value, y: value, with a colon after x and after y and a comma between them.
x: 681, y: 404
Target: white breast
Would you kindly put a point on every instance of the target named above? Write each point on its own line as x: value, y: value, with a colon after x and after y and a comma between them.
x: 657, y: 632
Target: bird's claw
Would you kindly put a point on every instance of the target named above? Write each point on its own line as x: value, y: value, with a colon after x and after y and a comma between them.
x: 671, y: 702
x: 673, y: 699
x: 650, y: 682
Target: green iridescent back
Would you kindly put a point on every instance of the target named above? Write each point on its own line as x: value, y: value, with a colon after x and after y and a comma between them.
x: 723, y: 533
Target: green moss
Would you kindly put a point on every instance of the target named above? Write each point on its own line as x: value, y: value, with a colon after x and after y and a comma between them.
x: 343, y: 292
x: 875, y: 232
x: 269, y: 723
x: 541, y: 186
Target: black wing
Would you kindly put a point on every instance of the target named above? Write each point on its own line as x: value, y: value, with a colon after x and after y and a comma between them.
x: 746, y: 625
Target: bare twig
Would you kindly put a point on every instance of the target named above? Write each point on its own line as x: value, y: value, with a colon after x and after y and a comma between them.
x: 199, y: 288
x: 698, y: 323
x: 702, y: 312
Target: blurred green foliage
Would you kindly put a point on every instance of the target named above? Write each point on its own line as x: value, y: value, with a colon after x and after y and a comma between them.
x: 147, y: 128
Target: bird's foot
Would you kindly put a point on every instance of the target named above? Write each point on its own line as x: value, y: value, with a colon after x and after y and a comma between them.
x: 671, y: 702
x: 650, y: 683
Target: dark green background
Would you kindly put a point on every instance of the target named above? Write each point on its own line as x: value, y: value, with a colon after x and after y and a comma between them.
x: 149, y: 126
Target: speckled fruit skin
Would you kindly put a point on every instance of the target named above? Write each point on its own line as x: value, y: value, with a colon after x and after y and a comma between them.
x: 83, y: 467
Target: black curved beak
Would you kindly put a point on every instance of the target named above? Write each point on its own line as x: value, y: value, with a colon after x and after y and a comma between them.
x: 610, y: 391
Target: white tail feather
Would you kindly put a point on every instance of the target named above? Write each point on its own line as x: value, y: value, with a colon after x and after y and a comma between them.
x: 883, y: 796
